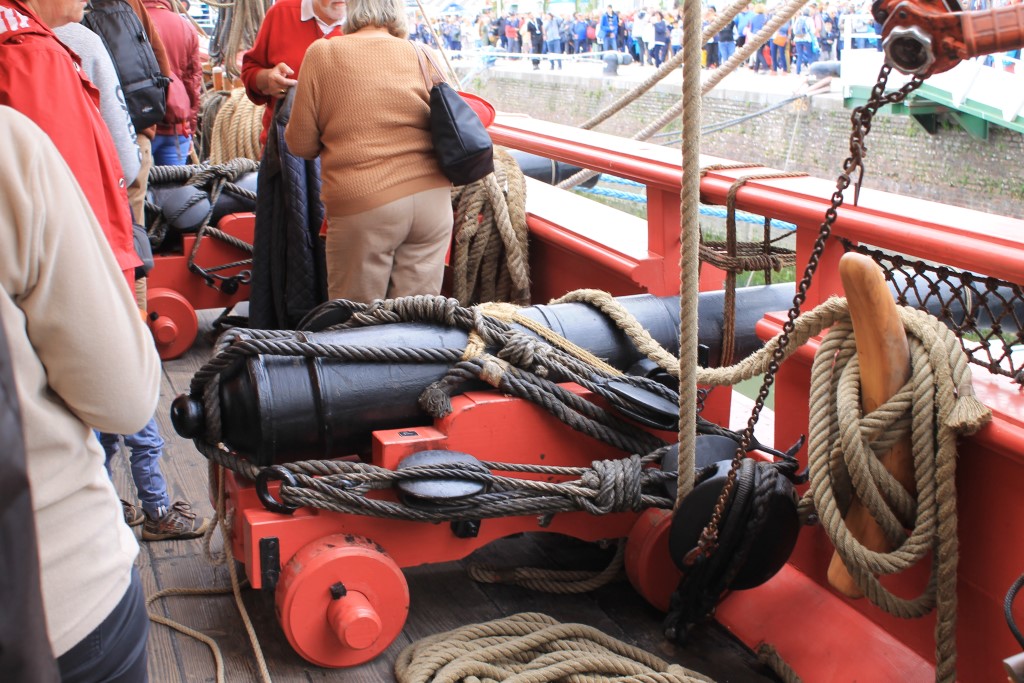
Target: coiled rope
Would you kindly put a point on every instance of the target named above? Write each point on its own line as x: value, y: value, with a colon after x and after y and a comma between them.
x: 210, y: 103
x: 489, y: 260
x: 236, y: 129
x: 240, y: 20
x: 532, y: 648
x: 562, y: 582
x: 935, y: 406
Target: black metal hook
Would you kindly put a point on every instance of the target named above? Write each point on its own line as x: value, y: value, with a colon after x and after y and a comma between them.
x: 277, y: 473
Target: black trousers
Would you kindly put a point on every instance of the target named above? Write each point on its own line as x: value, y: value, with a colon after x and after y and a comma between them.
x: 115, y: 652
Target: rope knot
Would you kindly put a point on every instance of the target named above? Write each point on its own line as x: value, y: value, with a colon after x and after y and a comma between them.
x: 617, y: 483
x: 435, y: 400
x: 526, y: 352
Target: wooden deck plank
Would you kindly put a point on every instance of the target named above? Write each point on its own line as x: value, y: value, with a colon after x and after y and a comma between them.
x: 443, y: 597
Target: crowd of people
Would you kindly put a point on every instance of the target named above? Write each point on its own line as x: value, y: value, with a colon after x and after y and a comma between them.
x: 649, y: 35
x: 652, y: 35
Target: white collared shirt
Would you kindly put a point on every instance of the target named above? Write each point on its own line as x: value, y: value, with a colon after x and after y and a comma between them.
x: 306, y: 13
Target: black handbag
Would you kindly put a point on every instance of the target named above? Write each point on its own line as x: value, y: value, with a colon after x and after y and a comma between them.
x: 463, y: 146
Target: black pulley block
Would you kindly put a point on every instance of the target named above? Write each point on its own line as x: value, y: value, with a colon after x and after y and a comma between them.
x: 695, y: 510
x: 776, y: 536
x: 759, y: 526
x: 433, y: 492
x: 710, y: 448
x: 644, y: 406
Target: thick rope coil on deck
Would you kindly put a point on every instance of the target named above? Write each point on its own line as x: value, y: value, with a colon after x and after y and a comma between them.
x: 236, y: 130
x: 489, y: 261
x: 532, y: 648
x: 842, y: 456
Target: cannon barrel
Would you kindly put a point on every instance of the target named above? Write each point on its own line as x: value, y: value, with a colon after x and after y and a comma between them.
x: 548, y: 170
x: 284, y: 408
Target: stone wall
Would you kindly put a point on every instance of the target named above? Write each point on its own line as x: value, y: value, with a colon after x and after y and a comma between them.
x: 810, y: 136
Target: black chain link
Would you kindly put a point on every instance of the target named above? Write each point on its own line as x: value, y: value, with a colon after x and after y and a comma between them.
x: 861, y: 120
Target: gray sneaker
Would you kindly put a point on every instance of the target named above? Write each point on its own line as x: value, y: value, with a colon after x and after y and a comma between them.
x: 179, y: 522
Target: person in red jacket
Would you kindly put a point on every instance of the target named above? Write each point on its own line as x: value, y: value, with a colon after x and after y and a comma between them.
x: 271, y: 67
x: 181, y: 43
x: 43, y: 79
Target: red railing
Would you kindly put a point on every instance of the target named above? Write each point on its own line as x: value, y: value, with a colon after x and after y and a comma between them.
x: 569, y: 252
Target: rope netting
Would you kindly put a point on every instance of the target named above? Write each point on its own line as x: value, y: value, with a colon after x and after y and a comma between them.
x: 985, y: 312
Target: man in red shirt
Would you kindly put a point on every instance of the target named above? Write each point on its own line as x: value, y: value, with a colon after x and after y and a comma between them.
x: 271, y: 67
x: 43, y: 79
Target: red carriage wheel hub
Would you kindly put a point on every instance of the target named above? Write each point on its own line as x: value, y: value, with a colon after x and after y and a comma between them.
x: 354, y: 621
x: 173, y: 321
x: 648, y: 564
x: 342, y: 601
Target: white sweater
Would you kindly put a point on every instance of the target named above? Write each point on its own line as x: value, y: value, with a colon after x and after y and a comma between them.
x: 82, y: 358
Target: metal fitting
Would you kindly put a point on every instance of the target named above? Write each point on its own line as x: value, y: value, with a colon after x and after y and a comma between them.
x: 1015, y: 668
x: 909, y: 49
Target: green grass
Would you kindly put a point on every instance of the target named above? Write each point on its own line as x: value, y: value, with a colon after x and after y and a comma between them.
x: 752, y: 386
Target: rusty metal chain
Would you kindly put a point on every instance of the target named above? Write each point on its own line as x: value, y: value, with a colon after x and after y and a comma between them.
x: 861, y: 121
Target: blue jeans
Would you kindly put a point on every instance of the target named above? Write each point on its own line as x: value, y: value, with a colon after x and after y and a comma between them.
x: 609, y: 43
x: 804, y: 54
x: 171, y: 150
x: 725, y: 50
x: 658, y: 53
x: 779, y: 58
x: 554, y: 47
x: 145, y: 446
x: 115, y: 652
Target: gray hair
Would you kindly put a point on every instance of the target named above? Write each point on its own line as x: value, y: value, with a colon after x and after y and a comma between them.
x: 389, y: 14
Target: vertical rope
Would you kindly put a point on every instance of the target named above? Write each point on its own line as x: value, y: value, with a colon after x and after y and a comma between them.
x: 689, y: 261
x: 780, y: 17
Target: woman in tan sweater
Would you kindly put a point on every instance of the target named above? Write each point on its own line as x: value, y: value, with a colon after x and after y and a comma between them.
x: 362, y: 105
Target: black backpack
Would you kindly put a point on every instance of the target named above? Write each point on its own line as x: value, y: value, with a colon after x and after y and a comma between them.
x: 144, y: 86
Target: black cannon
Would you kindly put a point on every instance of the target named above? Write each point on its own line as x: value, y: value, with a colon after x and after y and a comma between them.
x: 287, y: 408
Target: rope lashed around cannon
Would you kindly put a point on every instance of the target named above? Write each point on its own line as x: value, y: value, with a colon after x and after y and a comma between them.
x: 212, y: 179
x: 940, y: 386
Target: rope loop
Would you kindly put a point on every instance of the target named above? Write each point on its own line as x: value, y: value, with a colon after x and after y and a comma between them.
x: 935, y: 405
